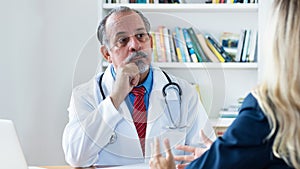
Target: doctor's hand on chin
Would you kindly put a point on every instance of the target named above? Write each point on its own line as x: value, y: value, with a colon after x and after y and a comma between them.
x: 127, y: 77
x: 157, y: 161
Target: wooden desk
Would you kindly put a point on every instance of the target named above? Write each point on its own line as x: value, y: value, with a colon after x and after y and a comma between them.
x: 68, y: 167
x: 65, y: 167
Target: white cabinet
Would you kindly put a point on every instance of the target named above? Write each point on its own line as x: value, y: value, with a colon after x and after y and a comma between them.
x: 221, y: 84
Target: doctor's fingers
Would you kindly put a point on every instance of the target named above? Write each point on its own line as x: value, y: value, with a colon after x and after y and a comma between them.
x: 186, y: 148
x: 181, y: 166
x: 157, y: 162
x: 130, y: 73
x: 155, y: 149
x: 169, y: 154
x: 185, y: 158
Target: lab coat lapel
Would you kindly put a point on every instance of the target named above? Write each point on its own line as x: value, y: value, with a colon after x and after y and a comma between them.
x: 108, y: 81
x: 156, y: 106
x: 124, y: 111
x: 156, y: 99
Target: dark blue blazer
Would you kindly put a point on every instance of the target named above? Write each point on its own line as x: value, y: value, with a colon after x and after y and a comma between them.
x: 244, y: 144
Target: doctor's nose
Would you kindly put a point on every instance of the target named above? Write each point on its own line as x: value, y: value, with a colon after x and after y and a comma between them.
x: 134, y: 44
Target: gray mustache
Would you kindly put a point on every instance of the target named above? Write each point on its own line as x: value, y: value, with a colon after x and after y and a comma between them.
x: 134, y: 55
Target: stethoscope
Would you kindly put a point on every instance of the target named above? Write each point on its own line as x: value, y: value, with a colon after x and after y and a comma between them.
x: 170, y: 84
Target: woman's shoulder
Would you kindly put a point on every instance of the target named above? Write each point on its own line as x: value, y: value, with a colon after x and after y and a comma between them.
x: 249, y: 102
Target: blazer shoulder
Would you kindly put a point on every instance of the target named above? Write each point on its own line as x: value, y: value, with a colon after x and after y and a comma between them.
x: 249, y: 102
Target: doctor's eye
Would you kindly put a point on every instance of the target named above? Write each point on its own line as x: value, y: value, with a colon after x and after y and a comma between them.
x: 142, y: 37
x: 122, y: 41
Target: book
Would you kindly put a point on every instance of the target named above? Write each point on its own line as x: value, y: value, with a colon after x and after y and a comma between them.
x: 177, y: 47
x: 214, y: 50
x: 218, y: 47
x: 246, y: 46
x: 172, y: 47
x: 167, y: 44
x: 180, y: 43
x: 189, y: 45
x: 252, y: 46
x: 162, y: 44
x: 184, y: 47
x: 154, y: 48
x: 238, y: 56
x: 206, y: 49
x: 230, y: 41
x: 198, y: 50
x: 158, y: 47
x: 228, y: 114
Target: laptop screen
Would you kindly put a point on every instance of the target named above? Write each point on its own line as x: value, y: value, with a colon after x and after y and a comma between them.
x: 11, y: 154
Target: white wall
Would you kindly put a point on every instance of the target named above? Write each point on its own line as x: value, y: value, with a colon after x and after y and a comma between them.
x: 41, y: 42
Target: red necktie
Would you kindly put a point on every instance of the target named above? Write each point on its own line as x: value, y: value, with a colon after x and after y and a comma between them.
x: 139, y: 114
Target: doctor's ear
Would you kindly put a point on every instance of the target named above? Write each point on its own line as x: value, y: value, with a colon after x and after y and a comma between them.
x: 105, y: 53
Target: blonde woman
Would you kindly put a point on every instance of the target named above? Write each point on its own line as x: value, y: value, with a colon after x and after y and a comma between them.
x: 266, y: 134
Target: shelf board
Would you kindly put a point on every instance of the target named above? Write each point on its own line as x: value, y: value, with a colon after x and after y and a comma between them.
x: 202, y: 65
x: 207, y: 65
x: 191, y: 7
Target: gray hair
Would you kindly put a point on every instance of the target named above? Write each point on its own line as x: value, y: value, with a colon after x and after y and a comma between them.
x: 101, y: 32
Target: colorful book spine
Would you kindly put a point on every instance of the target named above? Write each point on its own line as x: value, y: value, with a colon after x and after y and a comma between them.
x: 158, y: 47
x: 214, y: 50
x: 239, y: 52
x: 246, y: 46
x: 185, y: 48
x: 198, y: 50
x: 154, y: 48
x: 218, y: 47
x: 180, y: 43
x: 177, y: 47
x: 172, y: 47
x: 206, y: 49
x: 189, y: 45
x: 162, y: 44
x: 167, y: 44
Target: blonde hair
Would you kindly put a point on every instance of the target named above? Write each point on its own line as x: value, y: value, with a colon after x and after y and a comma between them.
x: 279, y: 93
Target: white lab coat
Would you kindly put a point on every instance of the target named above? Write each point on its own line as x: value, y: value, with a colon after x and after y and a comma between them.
x: 98, y: 133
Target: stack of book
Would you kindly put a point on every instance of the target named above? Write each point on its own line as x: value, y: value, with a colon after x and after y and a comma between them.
x: 225, y: 119
x: 185, y: 45
x: 247, y: 46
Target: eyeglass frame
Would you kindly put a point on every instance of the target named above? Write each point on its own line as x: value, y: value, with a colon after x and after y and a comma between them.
x: 117, y: 41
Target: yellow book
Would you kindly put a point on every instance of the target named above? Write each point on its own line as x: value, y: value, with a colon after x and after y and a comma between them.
x: 206, y: 49
x: 154, y: 55
x: 177, y: 48
x: 214, y: 50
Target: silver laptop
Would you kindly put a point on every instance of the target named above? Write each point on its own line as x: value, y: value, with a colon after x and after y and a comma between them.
x: 11, y: 154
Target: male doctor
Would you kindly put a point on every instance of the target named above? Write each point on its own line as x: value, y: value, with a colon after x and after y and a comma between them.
x: 114, y: 118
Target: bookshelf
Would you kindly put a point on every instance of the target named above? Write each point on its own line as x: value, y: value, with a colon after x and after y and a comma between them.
x: 189, y: 7
x: 221, y: 84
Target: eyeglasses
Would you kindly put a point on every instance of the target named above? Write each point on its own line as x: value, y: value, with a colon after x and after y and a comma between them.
x: 123, y: 40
